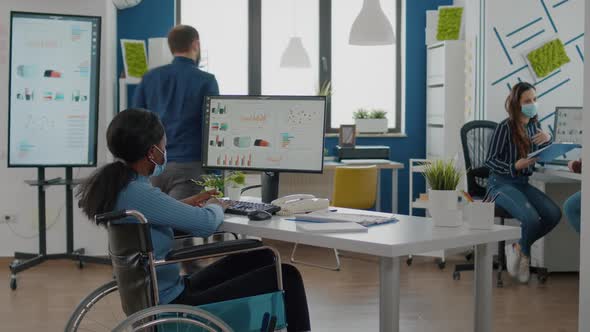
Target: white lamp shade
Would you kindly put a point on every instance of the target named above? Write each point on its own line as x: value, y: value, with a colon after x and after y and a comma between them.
x: 295, y: 55
x: 371, y: 27
x: 124, y: 4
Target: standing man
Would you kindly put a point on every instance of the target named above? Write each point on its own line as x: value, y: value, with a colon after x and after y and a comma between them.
x: 176, y: 93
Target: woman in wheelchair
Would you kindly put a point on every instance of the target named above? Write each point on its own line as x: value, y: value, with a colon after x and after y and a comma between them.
x: 137, y: 140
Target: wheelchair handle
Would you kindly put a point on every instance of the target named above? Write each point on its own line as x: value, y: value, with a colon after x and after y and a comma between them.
x: 105, y: 218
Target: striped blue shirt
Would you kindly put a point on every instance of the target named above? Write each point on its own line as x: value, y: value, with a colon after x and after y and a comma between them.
x: 165, y: 213
x: 503, y: 152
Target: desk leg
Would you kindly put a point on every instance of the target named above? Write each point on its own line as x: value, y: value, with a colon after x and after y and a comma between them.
x: 394, y: 190
x: 483, y: 288
x: 389, y: 294
x: 378, y: 198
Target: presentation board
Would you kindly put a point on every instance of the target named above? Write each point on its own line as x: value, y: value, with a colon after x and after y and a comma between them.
x: 277, y: 133
x: 53, y: 90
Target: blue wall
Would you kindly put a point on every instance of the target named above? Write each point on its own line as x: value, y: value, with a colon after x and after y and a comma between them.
x: 153, y: 18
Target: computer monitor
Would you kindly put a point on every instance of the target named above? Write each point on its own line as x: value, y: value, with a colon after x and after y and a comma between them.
x: 270, y: 134
x: 568, y: 128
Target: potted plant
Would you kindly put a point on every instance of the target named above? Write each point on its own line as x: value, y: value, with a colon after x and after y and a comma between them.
x: 443, y: 178
x: 374, y: 121
x: 210, y: 182
x: 231, y: 184
x: 234, y: 182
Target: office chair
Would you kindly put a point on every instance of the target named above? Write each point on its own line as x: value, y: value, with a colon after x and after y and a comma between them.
x: 354, y: 188
x: 475, y: 140
x: 134, y: 268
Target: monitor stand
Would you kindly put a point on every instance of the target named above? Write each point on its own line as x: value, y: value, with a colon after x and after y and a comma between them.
x: 270, y: 186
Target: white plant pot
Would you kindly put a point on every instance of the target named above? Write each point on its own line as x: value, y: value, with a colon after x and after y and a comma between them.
x: 233, y: 193
x: 443, y: 206
x: 371, y: 125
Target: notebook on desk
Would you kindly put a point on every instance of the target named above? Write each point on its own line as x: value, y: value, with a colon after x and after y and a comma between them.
x: 326, y: 216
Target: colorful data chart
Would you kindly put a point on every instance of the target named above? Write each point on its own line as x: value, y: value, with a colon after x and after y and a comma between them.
x: 286, y: 140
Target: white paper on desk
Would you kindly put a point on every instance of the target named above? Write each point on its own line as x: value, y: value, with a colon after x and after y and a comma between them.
x: 553, y: 151
x: 331, y: 227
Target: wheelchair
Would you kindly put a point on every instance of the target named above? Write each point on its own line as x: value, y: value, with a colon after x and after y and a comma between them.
x: 129, y: 302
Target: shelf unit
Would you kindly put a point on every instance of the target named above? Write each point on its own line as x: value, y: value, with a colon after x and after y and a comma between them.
x: 445, y: 98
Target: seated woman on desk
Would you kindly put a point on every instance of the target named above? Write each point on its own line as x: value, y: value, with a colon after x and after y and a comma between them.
x: 572, y: 205
x: 513, y: 139
x: 136, y: 138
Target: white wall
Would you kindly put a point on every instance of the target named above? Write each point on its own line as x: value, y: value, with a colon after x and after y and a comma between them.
x: 490, y: 63
x: 584, y: 318
x: 15, y: 196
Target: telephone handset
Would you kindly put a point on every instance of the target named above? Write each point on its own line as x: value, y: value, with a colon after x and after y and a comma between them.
x: 300, y: 203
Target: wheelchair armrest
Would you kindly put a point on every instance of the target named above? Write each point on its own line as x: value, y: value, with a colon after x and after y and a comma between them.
x: 213, y: 249
x: 190, y: 236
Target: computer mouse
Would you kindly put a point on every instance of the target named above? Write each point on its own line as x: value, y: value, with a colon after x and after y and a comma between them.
x: 259, y: 215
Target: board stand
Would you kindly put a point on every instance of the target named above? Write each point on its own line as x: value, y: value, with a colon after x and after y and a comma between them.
x: 23, y: 261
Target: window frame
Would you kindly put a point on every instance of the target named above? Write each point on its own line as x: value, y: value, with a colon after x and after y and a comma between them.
x: 325, y: 55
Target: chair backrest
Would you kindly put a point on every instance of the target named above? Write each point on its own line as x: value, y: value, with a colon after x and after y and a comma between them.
x: 475, y: 139
x: 129, y: 248
x: 355, y: 187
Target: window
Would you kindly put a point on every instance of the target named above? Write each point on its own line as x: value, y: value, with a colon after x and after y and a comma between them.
x: 281, y: 21
x: 223, y: 30
x: 361, y: 76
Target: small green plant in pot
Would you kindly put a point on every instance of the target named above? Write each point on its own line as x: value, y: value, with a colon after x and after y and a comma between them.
x: 234, y: 182
x: 374, y: 121
x: 443, y: 178
x: 210, y: 182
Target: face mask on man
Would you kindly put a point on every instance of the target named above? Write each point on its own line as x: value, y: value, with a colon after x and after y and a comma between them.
x: 159, y: 169
x: 529, y: 110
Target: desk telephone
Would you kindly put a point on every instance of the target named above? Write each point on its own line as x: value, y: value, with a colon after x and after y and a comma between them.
x: 300, y: 203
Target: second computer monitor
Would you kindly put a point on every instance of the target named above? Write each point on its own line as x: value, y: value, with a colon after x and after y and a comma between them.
x: 266, y: 133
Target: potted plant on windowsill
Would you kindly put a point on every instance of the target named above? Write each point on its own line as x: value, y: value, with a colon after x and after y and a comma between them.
x: 374, y: 121
x: 443, y: 178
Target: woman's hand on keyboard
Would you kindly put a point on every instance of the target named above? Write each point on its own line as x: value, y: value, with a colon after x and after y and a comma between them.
x: 200, y: 199
x: 223, y: 203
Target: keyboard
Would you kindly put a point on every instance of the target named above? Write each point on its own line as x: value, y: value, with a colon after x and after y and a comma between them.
x: 243, y: 208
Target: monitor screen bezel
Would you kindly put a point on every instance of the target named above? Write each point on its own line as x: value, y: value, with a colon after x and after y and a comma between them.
x: 205, y: 139
x: 93, y: 126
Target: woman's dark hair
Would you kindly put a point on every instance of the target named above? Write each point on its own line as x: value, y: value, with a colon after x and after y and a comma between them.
x: 514, y: 110
x: 130, y: 135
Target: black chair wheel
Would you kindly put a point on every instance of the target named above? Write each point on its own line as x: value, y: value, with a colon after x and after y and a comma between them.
x: 13, y: 283
x: 542, y: 278
x: 456, y: 275
x: 442, y: 265
x: 409, y: 261
x: 81, y: 264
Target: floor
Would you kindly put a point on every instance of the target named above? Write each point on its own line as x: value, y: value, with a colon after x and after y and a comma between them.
x: 339, y: 301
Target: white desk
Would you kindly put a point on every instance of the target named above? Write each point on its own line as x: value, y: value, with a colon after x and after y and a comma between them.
x: 389, y: 242
x: 563, y: 174
x: 321, y: 184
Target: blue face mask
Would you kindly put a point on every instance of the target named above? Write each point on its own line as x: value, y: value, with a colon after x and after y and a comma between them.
x: 159, y: 169
x: 529, y: 110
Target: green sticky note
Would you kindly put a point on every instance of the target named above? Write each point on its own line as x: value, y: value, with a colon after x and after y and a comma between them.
x: 449, y: 23
x: 548, y: 58
x: 135, y: 58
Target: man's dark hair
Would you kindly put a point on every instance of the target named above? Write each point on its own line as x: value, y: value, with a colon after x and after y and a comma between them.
x: 181, y: 37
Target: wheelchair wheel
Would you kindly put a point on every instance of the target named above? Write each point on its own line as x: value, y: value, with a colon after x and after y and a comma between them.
x: 172, y: 317
x: 101, y: 310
